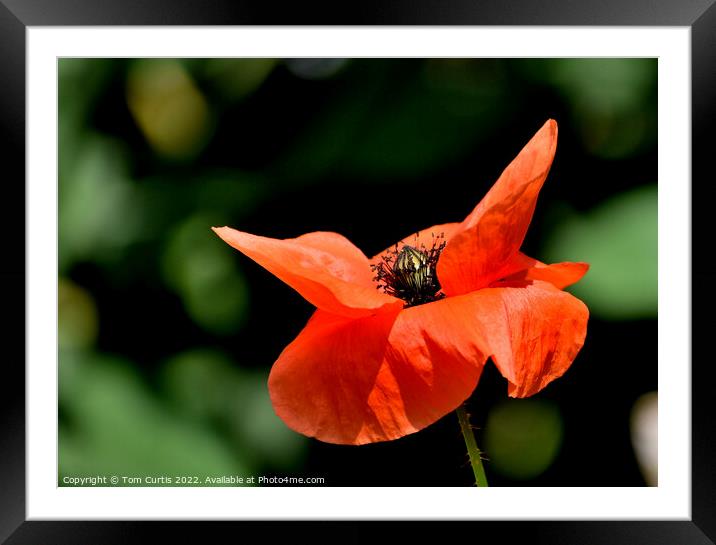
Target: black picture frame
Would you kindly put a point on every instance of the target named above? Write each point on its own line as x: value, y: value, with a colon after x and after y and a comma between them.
x: 16, y: 15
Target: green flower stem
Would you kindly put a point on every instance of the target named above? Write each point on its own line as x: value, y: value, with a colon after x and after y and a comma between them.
x: 472, y: 450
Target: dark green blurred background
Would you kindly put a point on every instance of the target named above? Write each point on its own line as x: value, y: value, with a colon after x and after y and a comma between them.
x: 167, y: 334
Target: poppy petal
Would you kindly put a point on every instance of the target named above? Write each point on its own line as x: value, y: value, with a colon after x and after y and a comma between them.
x: 320, y: 384
x: 488, y: 238
x: 436, y: 358
x: 560, y: 275
x: 534, y: 331
x: 376, y: 378
x: 425, y: 237
x: 325, y: 268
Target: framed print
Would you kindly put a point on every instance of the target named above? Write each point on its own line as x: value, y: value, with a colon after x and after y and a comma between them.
x: 207, y: 336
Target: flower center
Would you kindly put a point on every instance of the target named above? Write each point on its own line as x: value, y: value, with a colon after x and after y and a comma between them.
x: 409, y: 273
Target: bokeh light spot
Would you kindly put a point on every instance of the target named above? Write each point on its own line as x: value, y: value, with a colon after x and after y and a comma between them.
x: 523, y: 437
x: 311, y: 68
x: 645, y: 436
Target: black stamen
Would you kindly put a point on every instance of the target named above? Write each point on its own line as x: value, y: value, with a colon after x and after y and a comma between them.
x: 410, y: 273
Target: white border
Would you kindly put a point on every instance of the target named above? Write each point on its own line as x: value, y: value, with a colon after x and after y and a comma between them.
x: 670, y: 500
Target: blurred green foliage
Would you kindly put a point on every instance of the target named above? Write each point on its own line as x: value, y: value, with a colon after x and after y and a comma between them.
x: 610, y: 99
x: 235, y: 79
x: 207, y: 387
x: 206, y: 277
x: 117, y: 427
x: 619, y: 240
x: 427, y: 122
x: 140, y: 186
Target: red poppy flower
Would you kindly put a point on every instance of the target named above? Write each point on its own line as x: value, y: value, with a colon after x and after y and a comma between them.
x: 377, y: 364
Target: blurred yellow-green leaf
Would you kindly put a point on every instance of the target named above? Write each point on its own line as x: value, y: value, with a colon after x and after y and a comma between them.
x: 77, y: 316
x: 168, y: 107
